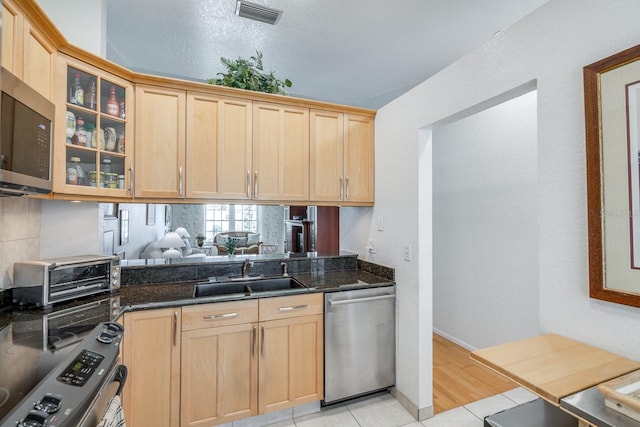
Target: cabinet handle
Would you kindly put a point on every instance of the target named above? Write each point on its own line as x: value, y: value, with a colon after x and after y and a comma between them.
x: 346, y: 191
x: 340, y: 187
x: 131, y: 180
x: 255, y: 184
x: 175, y: 328
x: 262, y: 342
x: 180, y: 184
x: 220, y: 316
x: 253, y: 346
x: 249, y: 184
x: 292, y: 308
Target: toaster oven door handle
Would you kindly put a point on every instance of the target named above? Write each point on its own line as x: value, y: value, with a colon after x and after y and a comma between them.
x: 73, y: 290
x: 93, y: 261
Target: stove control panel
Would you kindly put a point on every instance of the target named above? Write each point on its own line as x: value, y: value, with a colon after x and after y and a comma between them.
x: 62, y: 397
x: 81, y: 368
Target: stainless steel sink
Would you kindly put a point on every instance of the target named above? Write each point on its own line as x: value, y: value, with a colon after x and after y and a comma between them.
x: 275, y: 284
x: 249, y: 287
x: 211, y: 289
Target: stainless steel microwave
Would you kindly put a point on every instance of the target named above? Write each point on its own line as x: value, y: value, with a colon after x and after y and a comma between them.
x: 26, y: 129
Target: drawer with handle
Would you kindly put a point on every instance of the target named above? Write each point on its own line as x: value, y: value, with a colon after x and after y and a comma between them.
x: 291, y: 306
x: 219, y: 314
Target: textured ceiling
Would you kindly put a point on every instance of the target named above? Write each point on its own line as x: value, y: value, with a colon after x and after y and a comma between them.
x: 355, y: 52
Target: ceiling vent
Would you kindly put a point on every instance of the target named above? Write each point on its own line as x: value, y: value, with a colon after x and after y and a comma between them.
x: 257, y: 12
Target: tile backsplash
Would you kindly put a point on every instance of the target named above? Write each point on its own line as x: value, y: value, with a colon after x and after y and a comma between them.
x: 19, y: 234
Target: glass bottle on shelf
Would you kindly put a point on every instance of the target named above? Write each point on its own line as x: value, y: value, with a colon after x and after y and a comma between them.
x: 106, y: 165
x: 80, y: 136
x: 75, y: 173
x: 113, y: 107
x: 71, y: 126
x: 89, y: 129
x: 91, y: 98
x: 77, y: 93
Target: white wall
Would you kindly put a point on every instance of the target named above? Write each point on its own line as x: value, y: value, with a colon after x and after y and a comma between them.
x: 19, y: 234
x: 485, y: 230
x: 83, y: 23
x: 550, y: 46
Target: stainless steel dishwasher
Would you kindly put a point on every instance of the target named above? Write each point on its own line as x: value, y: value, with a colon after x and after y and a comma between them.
x: 359, y: 342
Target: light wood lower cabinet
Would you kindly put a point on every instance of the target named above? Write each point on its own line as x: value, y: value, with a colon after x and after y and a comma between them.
x: 291, y: 363
x: 151, y: 351
x: 209, y: 364
x: 291, y: 368
x: 219, y: 363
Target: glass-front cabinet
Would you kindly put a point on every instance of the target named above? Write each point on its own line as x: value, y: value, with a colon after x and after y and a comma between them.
x: 93, y: 150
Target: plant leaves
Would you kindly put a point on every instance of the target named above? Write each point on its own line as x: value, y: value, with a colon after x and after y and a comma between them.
x: 247, y: 74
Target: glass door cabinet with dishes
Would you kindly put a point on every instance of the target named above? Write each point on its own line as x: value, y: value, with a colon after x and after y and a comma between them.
x: 92, y: 149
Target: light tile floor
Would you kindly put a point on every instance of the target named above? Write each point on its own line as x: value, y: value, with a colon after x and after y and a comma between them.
x: 385, y: 411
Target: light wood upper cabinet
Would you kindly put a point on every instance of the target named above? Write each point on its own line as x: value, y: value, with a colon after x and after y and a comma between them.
x: 327, y: 141
x: 11, y: 37
x: 159, y: 170
x: 218, y: 144
x: 103, y: 143
x: 191, y: 141
x: 358, y: 159
x: 38, y: 61
x: 26, y: 52
x: 151, y: 351
x: 342, y: 158
x: 280, y: 152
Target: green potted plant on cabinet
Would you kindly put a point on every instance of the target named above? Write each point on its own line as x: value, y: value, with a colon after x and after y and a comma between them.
x: 248, y: 74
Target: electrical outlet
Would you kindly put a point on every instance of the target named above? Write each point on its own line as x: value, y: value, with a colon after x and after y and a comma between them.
x: 407, y: 252
x: 372, y: 246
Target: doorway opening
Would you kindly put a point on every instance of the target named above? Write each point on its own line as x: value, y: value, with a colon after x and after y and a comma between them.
x: 481, y: 218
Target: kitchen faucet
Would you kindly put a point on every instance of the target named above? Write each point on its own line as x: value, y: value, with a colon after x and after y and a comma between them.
x: 284, y: 267
x: 245, y: 267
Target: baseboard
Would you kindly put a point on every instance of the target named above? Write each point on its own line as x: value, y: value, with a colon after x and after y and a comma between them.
x: 419, y: 414
x: 454, y: 340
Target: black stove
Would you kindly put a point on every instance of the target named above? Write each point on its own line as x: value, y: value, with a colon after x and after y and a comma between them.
x: 36, y: 342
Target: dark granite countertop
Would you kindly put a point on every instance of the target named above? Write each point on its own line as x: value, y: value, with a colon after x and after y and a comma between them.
x: 141, y: 297
x: 40, y: 331
x: 178, y: 293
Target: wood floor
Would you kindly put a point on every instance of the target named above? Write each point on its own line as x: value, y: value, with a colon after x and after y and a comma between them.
x: 457, y: 380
